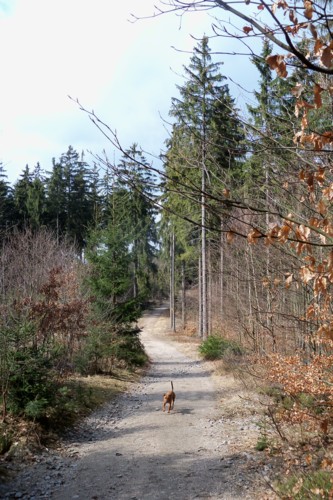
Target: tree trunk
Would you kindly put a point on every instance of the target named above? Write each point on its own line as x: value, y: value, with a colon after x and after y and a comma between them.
x: 204, y: 317
x: 172, y: 283
x: 183, y: 297
x: 221, y: 276
x: 200, y: 299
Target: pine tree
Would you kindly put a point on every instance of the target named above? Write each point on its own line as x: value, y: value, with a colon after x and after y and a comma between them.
x: 202, y: 153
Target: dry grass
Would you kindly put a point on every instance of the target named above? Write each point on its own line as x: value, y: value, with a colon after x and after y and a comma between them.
x: 103, y: 388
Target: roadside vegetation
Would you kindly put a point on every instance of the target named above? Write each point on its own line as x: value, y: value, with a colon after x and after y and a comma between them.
x: 236, y: 227
x: 61, y: 354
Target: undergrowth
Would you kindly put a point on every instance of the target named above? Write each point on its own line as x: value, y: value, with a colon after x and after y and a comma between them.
x: 216, y: 347
x: 76, y: 398
x: 312, y: 486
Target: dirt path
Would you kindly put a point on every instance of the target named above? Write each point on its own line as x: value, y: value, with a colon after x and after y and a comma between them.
x: 132, y: 450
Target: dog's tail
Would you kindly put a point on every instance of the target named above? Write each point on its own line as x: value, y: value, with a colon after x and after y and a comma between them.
x: 171, y: 385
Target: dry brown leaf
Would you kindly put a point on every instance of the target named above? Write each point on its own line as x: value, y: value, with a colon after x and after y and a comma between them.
x: 297, y: 90
x: 327, y: 137
x: 265, y: 282
x: 288, y: 280
x: 304, y: 121
x: 308, y: 9
x: 310, y: 312
x: 284, y: 233
x: 304, y: 231
x: 328, y: 192
x: 313, y: 31
x: 253, y: 236
x: 317, y: 95
x: 322, y: 207
x: 306, y: 274
x: 330, y: 260
x: 277, y: 63
x: 320, y: 175
x: 326, y: 57
x: 247, y: 29
x: 230, y: 236
x: 318, y: 46
x: 302, y: 175
x: 292, y: 16
x: 324, y: 428
x: 300, y: 247
x: 310, y: 181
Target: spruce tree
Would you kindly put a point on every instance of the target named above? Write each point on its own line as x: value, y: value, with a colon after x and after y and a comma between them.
x: 7, y: 219
x: 138, y: 181
x: 36, y: 199
x: 202, y: 153
x: 56, y: 200
x: 69, y: 204
x: 21, y: 196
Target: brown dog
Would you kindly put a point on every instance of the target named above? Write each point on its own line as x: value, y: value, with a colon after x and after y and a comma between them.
x: 169, y: 398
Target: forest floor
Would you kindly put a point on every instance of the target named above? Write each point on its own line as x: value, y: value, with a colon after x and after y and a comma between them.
x: 130, y: 449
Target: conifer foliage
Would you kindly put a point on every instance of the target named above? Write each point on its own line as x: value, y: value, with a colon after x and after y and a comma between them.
x: 77, y: 268
x: 245, y: 220
x: 280, y: 220
x: 202, y: 158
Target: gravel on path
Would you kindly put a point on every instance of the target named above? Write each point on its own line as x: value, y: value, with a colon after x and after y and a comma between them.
x: 130, y: 450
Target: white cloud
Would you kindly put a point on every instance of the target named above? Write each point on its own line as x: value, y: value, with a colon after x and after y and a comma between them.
x: 89, y: 50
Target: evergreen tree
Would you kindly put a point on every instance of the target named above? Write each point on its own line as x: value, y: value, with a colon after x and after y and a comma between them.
x: 36, y: 199
x: 202, y: 155
x: 95, y: 199
x: 6, y: 204
x: 122, y: 249
x: 56, y: 200
x: 138, y: 181
x: 269, y: 142
x: 21, y: 197
x: 110, y: 279
x: 69, y: 204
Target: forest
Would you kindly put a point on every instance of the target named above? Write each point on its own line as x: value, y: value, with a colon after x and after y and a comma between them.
x: 234, y: 229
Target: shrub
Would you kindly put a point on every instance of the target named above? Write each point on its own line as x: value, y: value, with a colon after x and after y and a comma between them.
x: 107, y: 346
x: 215, y: 347
x: 314, y: 485
x: 31, y: 382
x: 36, y: 409
x: 129, y: 348
x: 262, y: 442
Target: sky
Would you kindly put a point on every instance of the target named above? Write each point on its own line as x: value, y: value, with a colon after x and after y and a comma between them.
x: 92, y: 50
